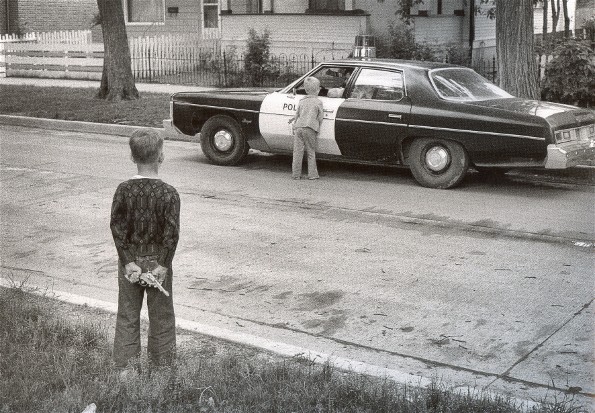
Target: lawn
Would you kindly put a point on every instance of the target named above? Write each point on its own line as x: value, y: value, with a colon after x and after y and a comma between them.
x: 81, y: 105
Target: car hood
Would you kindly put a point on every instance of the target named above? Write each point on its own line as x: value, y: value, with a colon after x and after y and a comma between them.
x: 556, y: 114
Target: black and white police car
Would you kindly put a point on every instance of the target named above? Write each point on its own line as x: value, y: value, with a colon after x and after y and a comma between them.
x: 437, y: 119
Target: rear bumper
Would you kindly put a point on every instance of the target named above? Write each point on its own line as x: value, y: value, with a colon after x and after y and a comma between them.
x: 173, y: 133
x: 566, y: 155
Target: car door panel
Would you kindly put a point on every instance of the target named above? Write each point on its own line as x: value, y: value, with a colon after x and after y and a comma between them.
x: 373, y: 121
x: 276, y: 111
x: 371, y: 130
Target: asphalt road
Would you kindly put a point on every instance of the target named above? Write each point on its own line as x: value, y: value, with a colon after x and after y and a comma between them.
x: 489, y: 285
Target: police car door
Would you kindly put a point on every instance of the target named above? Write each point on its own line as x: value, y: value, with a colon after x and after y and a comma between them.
x: 279, y: 107
x: 372, y: 123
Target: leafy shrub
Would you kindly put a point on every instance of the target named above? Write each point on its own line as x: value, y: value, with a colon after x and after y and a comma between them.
x: 570, y: 75
x: 257, y: 62
x: 401, y: 44
x: 457, y: 54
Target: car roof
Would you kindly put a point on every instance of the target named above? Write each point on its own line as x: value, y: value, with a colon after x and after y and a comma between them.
x: 394, y: 63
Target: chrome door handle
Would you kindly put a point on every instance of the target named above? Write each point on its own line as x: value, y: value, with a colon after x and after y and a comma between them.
x: 393, y: 116
x: 327, y: 110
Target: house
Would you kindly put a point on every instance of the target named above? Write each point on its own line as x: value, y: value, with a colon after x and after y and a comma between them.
x: 26, y: 16
x: 319, y: 28
x: 434, y: 21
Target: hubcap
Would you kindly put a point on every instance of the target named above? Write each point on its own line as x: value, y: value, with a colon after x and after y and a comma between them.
x: 437, y: 158
x: 223, y: 140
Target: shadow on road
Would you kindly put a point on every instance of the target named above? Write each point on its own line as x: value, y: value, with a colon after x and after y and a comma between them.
x: 576, y: 179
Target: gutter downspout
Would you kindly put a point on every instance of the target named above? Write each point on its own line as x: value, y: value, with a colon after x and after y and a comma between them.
x: 471, y: 28
x: 7, y: 16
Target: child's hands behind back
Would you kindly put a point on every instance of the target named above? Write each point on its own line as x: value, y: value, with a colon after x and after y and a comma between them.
x: 133, y: 272
x: 160, y: 273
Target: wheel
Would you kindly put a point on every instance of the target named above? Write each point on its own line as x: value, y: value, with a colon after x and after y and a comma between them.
x: 438, y: 163
x: 222, y: 141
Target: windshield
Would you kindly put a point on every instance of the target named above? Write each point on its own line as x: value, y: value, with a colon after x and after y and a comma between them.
x: 464, y: 85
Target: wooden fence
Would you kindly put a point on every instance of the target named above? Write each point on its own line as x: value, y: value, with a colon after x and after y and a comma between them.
x: 62, y: 57
x: 179, y: 59
x: 64, y: 61
x: 61, y: 37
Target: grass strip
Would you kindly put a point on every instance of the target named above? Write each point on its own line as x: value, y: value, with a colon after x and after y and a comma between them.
x: 53, y: 362
x: 80, y: 104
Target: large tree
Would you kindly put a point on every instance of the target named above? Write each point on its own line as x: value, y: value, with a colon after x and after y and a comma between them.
x: 117, y: 82
x: 515, y: 50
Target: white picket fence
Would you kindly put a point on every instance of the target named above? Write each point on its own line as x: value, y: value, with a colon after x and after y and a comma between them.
x: 159, y: 56
x: 72, y: 55
x: 61, y: 37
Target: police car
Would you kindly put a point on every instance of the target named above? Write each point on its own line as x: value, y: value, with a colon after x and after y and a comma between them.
x: 437, y: 119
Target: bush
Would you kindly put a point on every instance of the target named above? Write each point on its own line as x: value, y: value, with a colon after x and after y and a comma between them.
x: 401, y: 44
x: 257, y: 62
x: 570, y: 75
x: 458, y: 55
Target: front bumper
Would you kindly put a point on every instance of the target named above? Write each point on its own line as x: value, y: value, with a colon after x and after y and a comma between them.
x: 566, y: 155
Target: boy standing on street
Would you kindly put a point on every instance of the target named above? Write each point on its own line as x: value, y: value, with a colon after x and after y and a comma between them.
x: 145, y: 223
x: 307, y: 120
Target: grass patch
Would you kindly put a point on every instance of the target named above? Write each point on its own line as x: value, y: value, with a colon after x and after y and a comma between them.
x: 80, y: 104
x: 53, y: 361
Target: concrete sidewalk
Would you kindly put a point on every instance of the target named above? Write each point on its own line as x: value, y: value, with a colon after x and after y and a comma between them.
x: 142, y: 87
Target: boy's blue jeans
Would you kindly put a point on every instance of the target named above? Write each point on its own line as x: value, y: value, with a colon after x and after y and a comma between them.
x: 305, y: 138
x: 162, y: 323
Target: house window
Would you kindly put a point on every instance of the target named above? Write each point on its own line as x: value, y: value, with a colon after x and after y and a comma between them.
x: 439, y: 7
x: 145, y: 11
x: 254, y: 7
x: 326, y: 5
x: 210, y: 9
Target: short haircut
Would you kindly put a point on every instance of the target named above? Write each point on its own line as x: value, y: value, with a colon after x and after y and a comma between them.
x: 145, y: 145
x: 311, y: 85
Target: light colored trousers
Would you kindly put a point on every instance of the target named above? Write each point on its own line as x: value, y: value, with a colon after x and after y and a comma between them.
x: 304, y: 138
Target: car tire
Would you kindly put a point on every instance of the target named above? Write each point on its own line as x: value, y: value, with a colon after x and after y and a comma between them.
x: 438, y: 163
x: 223, y: 142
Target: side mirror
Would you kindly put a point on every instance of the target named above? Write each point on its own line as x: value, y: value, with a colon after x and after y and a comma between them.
x: 293, y: 91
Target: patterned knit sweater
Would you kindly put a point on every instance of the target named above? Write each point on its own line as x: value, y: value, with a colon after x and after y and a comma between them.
x: 145, y: 220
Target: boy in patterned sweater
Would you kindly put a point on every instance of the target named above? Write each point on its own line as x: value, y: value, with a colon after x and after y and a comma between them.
x: 145, y: 224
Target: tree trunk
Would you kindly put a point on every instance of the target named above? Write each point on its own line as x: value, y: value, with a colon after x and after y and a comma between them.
x: 517, y: 66
x: 117, y: 82
x: 544, y: 31
x: 555, y: 16
x: 544, y: 44
x: 566, y: 18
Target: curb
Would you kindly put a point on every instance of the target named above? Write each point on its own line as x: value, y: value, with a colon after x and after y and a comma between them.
x: 250, y: 340
x: 275, y: 347
x: 86, y: 127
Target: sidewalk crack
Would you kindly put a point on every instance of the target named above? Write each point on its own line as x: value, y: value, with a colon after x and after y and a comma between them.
x: 505, y: 375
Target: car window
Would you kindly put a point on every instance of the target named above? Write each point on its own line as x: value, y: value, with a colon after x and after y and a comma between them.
x: 332, y: 81
x: 465, y: 85
x: 378, y: 85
